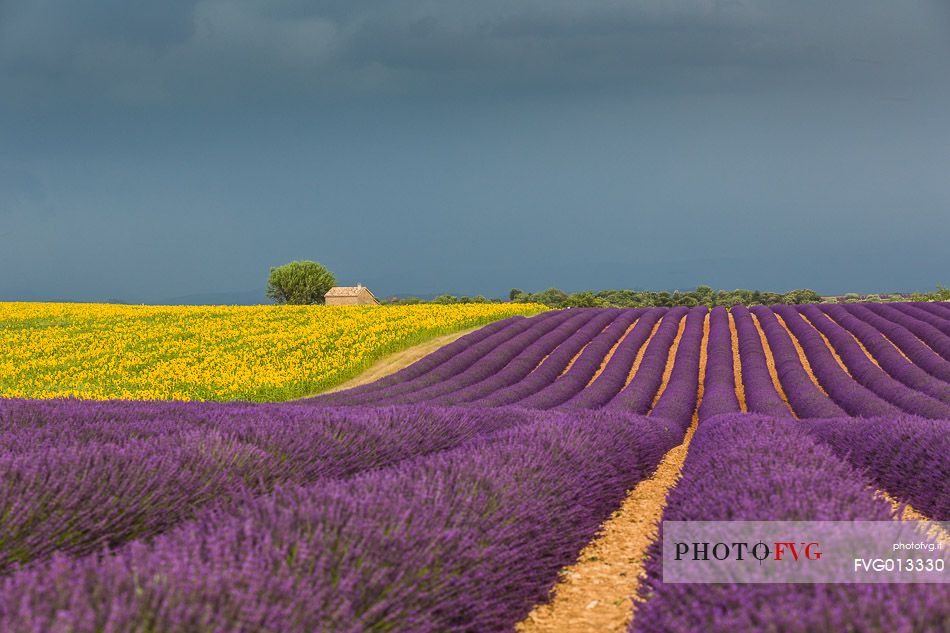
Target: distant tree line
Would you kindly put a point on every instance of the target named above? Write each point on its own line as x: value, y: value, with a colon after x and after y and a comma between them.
x: 941, y: 294
x: 701, y: 295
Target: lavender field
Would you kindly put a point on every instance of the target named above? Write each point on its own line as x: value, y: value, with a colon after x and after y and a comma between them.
x: 449, y: 495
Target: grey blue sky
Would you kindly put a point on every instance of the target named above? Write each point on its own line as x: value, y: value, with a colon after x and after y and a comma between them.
x: 152, y: 150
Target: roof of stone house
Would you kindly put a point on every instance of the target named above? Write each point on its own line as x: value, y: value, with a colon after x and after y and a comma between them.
x: 347, y: 291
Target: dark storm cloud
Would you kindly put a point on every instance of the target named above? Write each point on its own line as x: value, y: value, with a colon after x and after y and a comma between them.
x: 158, y: 149
x: 135, y: 52
x: 18, y: 187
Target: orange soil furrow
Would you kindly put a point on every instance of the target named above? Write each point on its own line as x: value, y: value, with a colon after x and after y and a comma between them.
x: 703, y: 357
x: 737, y: 364
x: 770, y: 362
x: 641, y: 352
x: 599, y: 591
x: 670, y: 359
x: 610, y: 353
x: 541, y: 362
x: 831, y: 348
x: 899, y: 350
x: 924, y: 343
x: 578, y: 354
x: 906, y: 512
x: 801, y: 355
x: 894, y: 345
x: 866, y: 351
x: 571, y: 363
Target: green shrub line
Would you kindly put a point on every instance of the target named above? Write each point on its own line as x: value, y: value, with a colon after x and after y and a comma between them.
x: 701, y: 295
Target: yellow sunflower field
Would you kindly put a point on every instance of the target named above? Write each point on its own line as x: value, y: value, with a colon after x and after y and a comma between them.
x: 259, y: 353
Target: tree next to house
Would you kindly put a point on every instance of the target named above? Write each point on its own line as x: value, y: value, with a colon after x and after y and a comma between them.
x: 299, y: 283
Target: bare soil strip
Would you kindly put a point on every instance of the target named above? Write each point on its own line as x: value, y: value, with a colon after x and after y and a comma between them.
x: 399, y: 360
x: 598, y: 592
x: 671, y: 358
x: 610, y: 353
x: 884, y: 336
x: 924, y: 343
x: 574, y: 359
x: 801, y: 355
x: 899, y: 350
x: 906, y: 512
x: 546, y: 356
x: 831, y: 348
x: 703, y: 359
x: 641, y: 352
x: 737, y: 364
x: 860, y: 344
x: 578, y: 354
x: 770, y: 362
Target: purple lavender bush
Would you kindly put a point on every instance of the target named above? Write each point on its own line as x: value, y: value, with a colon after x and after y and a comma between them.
x: 851, y: 396
x: 916, y: 311
x: 907, y: 456
x: 440, y: 372
x: 530, y: 357
x: 887, y: 355
x: 90, y: 478
x: 719, y: 386
x: 937, y: 308
x: 863, y: 371
x: 761, y: 396
x: 677, y: 403
x: 592, y: 343
x: 424, y: 365
x: 905, y: 340
x: 484, y: 367
x: 637, y: 397
x: 465, y: 540
x: 750, y: 467
x: 934, y: 338
x: 807, y: 400
x: 610, y: 381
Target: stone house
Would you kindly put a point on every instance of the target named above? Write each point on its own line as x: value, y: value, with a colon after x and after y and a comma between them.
x: 358, y: 295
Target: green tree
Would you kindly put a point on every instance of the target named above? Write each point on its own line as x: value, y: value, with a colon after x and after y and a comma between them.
x: 584, y: 300
x: 516, y: 294
x: 801, y: 295
x: 299, y: 283
x: 705, y: 294
x: 552, y: 297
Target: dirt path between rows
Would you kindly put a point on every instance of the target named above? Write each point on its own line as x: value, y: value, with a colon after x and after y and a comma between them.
x: 906, y: 512
x: 599, y: 591
x: 398, y: 360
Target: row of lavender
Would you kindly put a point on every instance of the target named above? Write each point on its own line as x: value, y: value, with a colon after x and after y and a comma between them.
x: 860, y: 360
x: 281, y: 518
x: 78, y: 476
x: 761, y: 468
x: 416, y: 518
